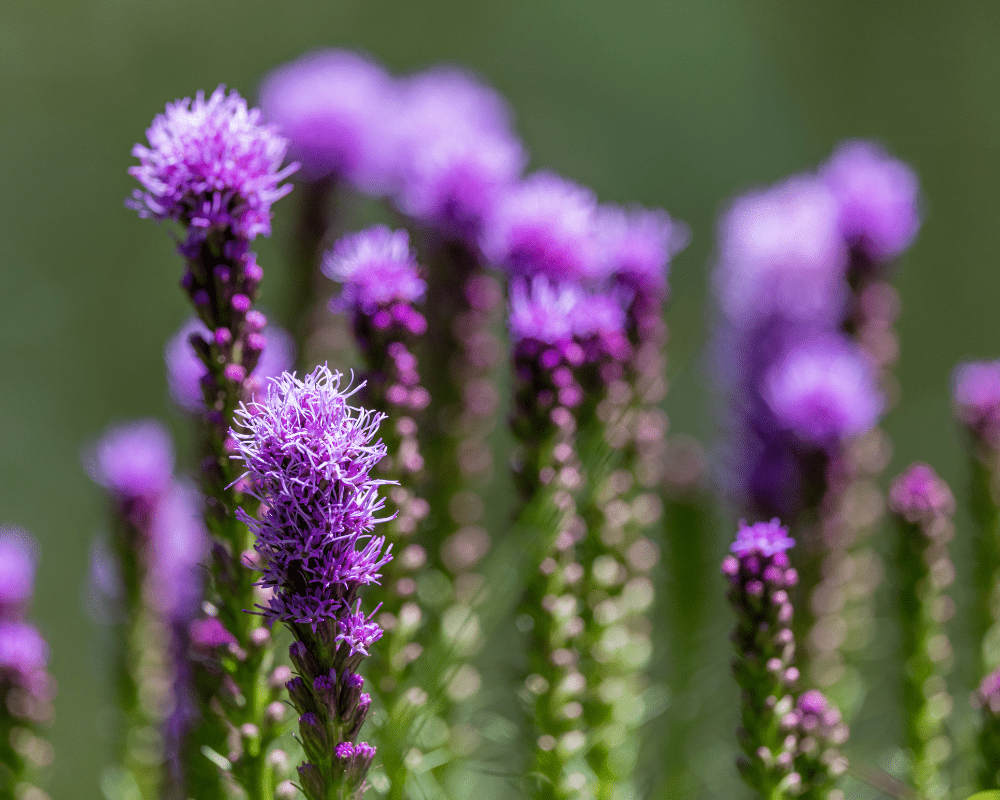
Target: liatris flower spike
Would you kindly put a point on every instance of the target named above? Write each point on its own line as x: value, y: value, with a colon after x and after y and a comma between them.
x: 308, y: 457
x: 760, y: 577
x: 216, y: 169
x: 26, y: 689
x: 922, y: 505
x: 381, y: 287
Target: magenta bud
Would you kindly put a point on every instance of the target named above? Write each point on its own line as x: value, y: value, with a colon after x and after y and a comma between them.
x: 240, y: 303
x: 256, y: 321
x: 223, y: 337
x: 236, y: 373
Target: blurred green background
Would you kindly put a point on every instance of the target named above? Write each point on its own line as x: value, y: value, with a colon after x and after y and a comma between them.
x: 677, y: 103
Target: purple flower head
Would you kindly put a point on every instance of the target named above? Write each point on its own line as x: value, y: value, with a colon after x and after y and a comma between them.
x: 878, y: 197
x: 358, y: 632
x: 556, y: 313
x: 18, y: 555
x: 134, y: 461
x: 23, y: 654
x: 308, y: 456
x: 185, y: 371
x: 637, y: 244
x: 766, y: 538
x: 376, y: 267
x: 456, y: 151
x: 919, y: 495
x: 976, y: 395
x: 336, y: 108
x: 545, y: 226
x: 823, y: 391
x: 211, y: 164
x: 782, y: 255
x: 813, y: 702
x: 178, y: 543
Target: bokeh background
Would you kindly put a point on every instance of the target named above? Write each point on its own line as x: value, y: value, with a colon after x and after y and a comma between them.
x: 675, y: 103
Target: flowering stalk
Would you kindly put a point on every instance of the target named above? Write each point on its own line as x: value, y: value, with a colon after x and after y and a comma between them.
x: 988, y: 699
x: 549, y: 360
x: 976, y: 397
x: 922, y: 505
x: 789, y: 745
x: 134, y: 463
x: 215, y: 169
x: 381, y: 286
x: 26, y: 688
x: 308, y: 457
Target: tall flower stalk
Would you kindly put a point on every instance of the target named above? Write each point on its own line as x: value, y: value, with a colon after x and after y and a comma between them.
x: 215, y: 169
x: 26, y: 688
x: 381, y: 287
x: 308, y: 457
x: 789, y: 743
x: 922, y: 505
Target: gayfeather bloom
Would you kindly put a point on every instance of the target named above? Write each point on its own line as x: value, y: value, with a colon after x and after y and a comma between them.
x: 823, y: 391
x: 376, y: 266
x: 456, y: 152
x: 545, y: 225
x: 878, y: 198
x: 211, y: 164
x: 637, y: 244
x: 308, y: 456
x: 976, y: 396
x: 337, y: 109
x: 17, y: 572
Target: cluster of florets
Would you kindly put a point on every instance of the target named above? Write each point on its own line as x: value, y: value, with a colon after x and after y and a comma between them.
x: 976, y: 395
x: 636, y: 245
x: 211, y: 164
x: 797, y: 386
x: 308, y: 455
x: 376, y: 267
x: 920, y: 496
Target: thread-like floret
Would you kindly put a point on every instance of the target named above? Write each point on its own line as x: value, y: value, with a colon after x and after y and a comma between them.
x: 767, y: 538
x: 376, y: 267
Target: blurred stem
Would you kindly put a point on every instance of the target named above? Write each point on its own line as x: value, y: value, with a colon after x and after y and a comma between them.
x: 983, y: 505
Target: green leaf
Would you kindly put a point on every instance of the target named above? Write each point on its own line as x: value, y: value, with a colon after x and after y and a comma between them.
x: 994, y: 795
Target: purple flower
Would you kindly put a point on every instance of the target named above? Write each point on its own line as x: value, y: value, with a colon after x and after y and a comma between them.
x: 919, y: 495
x: 766, y: 538
x: 358, y: 632
x: 376, y: 267
x: 545, y: 225
x: 337, y: 109
x: 134, y: 461
x: 211, y: 164
x: 186, y: 372
x: 976, y: 394
x: 988, y: 695
x: 18, y: 555
x: 23, y: 655
x: 308, y: 456
x: 556, y: 313
x: 781, y: 254
x: 823, y: 391
x: 456, y: 151
x: 637, y: 244
x: 878, y: 198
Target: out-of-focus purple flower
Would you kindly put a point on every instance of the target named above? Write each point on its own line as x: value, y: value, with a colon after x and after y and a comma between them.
x: 308, y: 456
x: 976, y: 395
x: 376, y: 267
x: 919, y: 495
x: 18, y: 555
x: 988, y: 695
x: 767, y: 538
x: 338, y: 110
x: 185, y: 371
x: 555, y: 313
x: 178, y: 543
x: 210, y: 164
x: 823, y: 391
x: 545, y: 226
x: 24, y: 654
x: 878, y: 197
x: 637, y: 244
x: 456, y: 151
x: 781, y: 254
x: 133, y: 461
